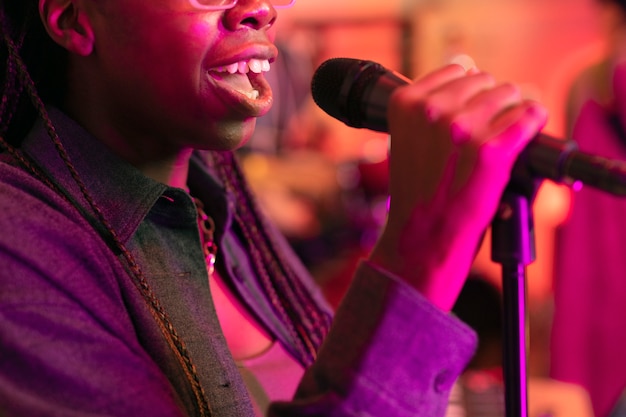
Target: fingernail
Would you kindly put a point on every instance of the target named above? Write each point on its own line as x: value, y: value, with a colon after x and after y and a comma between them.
x: 466, y: 61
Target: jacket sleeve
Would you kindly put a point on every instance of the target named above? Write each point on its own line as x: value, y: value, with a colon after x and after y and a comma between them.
x: 389, y: 353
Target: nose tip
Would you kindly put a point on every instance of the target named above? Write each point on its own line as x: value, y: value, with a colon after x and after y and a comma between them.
x: 255, y: 14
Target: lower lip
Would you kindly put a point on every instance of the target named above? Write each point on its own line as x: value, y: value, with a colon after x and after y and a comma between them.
x: 241, y: 102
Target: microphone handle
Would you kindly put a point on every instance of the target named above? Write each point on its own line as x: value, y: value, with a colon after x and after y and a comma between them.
x: 561, y: 161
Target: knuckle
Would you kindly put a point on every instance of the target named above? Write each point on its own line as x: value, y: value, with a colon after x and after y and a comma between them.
x: 511, y: 90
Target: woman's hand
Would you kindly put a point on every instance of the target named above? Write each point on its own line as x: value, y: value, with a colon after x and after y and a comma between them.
x: 455, y: 135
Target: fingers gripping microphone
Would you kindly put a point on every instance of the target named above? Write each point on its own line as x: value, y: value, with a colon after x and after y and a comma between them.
x: 357, y: 93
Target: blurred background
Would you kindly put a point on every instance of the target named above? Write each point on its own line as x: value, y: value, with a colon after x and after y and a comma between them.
x: 325, y: 184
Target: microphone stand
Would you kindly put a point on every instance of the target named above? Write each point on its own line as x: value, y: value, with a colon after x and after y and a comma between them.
x: 513, y: 241
x: 513, y: 246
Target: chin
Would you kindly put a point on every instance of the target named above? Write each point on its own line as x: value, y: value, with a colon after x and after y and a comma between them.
x: 230, y: 136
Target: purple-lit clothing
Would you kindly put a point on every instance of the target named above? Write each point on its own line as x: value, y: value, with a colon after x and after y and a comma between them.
x: 77, y: 339
x: 588, y: 336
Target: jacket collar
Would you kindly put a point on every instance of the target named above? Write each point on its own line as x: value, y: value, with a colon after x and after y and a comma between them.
x: 122, y: 192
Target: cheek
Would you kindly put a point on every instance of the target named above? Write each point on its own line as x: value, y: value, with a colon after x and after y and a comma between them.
x: 165, y: 63
x: 181, y: 52
x: 200, y: 31
x: 165, y: 43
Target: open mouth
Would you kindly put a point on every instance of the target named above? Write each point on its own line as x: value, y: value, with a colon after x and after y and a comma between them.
x: 241, y: 76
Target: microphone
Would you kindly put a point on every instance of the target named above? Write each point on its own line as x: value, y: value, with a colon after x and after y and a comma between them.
x: 357, y: 93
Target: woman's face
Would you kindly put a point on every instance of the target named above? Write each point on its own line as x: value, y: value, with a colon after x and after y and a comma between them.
x: 164, y: 72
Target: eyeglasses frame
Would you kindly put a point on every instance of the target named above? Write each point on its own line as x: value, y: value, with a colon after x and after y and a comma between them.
x: 197, y: 5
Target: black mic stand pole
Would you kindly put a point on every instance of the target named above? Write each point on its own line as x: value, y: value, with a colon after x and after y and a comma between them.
x: 513, y: 246
x: 513, y: 241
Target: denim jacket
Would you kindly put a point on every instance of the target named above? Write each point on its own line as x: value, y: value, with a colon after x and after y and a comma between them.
x: 77, y: 338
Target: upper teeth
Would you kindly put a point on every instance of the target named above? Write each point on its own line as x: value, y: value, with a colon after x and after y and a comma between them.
x: 243, y: 67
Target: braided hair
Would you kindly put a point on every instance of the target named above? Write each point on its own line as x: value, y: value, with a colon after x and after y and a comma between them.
x: 33, y: 71
x: 26, y: 45
x: 307, y: 322
x: 23, y: 34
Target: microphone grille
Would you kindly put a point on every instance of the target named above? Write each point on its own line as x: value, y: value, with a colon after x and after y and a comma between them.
x: 338, y: 87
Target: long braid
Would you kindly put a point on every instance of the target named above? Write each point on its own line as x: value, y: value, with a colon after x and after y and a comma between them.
x: 12, y: 88
x: 307, y: 322
x: 17, y: 74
